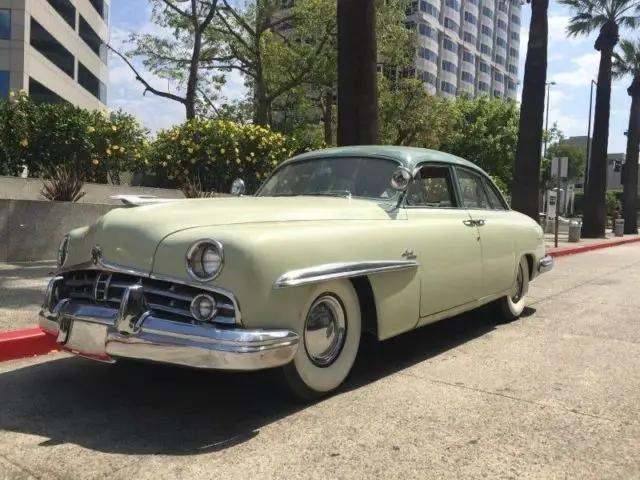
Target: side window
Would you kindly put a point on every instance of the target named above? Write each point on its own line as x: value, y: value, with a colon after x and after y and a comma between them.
x: 433, y: 188
x: 471, y: 189
x: 494, y: 200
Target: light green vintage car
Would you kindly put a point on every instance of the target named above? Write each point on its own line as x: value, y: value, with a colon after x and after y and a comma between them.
x: 334, y: 243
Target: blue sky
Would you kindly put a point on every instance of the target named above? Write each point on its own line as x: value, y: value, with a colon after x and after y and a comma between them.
x: 572, y: 65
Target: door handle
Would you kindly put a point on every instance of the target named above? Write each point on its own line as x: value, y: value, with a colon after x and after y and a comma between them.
x: 469, y: 223
x: 479, y: 222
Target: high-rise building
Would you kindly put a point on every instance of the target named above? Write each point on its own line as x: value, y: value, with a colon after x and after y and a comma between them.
x: 468, y: 45
x: 55, y: 50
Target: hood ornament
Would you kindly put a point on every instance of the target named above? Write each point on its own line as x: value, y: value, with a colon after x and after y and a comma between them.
x: 96, y: 253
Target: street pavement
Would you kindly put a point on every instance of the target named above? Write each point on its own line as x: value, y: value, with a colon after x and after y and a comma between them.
x: 555, y: 394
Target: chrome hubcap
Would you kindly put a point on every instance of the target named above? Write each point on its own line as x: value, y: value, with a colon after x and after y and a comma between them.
x: 325, y: 330
x: 517, y: 295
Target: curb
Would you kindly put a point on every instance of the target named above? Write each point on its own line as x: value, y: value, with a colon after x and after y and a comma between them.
x: 28, y: 342
x: 561, y: 252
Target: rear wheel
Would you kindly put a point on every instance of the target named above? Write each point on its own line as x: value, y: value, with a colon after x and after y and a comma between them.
x: 329, y: 341
x: 512, y: 306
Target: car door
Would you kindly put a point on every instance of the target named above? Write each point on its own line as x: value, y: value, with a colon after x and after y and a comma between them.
x: 445, y: 239
x: 492, y: 218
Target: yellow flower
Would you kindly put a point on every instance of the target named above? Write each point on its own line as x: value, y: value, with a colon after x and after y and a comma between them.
x: 24, y: 142
x: 115, y: 147
x: 108, y: 151
x: 114, y: 128
x: 95, y: 161
x: 91, y: 129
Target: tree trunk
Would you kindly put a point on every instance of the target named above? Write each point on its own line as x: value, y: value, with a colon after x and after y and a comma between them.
x: 593, y: 223
x: 630, y: 186
x: 526, y: 171
x: 357, y: 73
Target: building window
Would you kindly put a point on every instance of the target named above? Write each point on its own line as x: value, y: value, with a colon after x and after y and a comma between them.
x: 468, y: 57
x: 473, y: 2
x: 513, y: 52
x: 449, y: 45
x: 41, y: 94
x: 501, y: 42
x: 483, y: 86
x: 92, y: 39
x: 513, y: 69
x: 470, y: 18
x: 449, y: 67
x: 515, y: 19
x: 66, y: 10
x: 467, y: 77
x: 5, y: 24
x: 486, y: 31
x: 511, y: 84
x: 92, y: 83
x: 450, y: 24
x: 427, y: 77
x: 102, y: 8
x: 430, y: 9
x: 500, y: 60
x: 498, y: 77
x: 469, y: 38
x: 486, y: 49
x: 447, y: 87
x: 515, y: 36
x: 429, y: 55
x: 497, y: 93
x: 484, y: 67
x: 487, y: 12
x: 49, y: 47
x: 455, y: 4
x: 427, y: 31
x: 5, y: 79
x: 502, y: 6
x: 501, y: 24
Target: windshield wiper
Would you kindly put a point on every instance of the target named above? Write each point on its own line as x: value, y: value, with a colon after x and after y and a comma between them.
x: 338, y: 193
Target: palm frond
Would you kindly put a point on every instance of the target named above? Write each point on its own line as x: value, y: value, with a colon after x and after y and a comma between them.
x: 626, y: 60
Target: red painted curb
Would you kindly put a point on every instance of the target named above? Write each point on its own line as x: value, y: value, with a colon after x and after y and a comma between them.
x: 561, y: 252
x: 28, y: 342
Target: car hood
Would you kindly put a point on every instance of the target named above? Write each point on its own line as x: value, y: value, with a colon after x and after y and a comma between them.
x: 130, y: 236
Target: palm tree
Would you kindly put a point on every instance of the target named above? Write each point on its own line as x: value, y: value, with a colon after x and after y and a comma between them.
x: 627, y: 63
x: 357, y: 73
x: 607, y: 16
x: 526, y: 171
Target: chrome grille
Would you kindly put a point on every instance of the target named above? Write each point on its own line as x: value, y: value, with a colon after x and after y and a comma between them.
x: 171, y: 299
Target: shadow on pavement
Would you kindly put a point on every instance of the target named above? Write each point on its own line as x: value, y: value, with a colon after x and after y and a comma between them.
x: 151, y: 409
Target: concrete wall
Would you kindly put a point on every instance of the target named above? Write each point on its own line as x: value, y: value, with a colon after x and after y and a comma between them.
x: 15, y: 188
x: 31, y: 230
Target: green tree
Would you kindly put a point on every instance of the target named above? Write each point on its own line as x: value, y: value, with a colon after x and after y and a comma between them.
x: 606, y: 16
x: 626, y: 62
x: 14, y: 131
x: 526, y: 169
x: 411, y: 116
x: 485, y: 132
x: 184, y: 58
x: 574, y: 153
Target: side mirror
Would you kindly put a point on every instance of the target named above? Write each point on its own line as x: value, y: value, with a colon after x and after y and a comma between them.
x: 400, y: 179
x: 238, y: 187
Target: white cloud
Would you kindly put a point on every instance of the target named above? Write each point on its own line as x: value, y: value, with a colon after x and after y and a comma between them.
x: 585, y: 70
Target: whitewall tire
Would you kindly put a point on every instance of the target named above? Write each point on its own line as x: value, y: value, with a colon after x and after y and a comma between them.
x: 329, y: 333
x: 513, y: 305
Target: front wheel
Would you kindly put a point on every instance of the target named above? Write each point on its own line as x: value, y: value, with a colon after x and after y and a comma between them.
x: 329, y: 341
x: 512, y: 306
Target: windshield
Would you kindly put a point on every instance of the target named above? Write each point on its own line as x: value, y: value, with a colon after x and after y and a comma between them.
x: 366, y: 177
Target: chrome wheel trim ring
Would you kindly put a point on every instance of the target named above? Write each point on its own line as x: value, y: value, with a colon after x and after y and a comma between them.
x: 519, y: 287
x: 325, y: 330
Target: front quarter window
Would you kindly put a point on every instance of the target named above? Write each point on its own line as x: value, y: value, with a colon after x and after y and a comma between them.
x: 365, y: 177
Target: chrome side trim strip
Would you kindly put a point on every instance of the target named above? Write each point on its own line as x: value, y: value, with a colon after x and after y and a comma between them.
x: 335, y: 271
x: 105, y: 265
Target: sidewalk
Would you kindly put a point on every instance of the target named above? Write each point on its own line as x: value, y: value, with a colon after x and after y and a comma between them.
x: 585, y: 244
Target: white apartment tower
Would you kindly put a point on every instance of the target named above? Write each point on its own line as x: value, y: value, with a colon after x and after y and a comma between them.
x: 55, y: 49
x: 468, y: 45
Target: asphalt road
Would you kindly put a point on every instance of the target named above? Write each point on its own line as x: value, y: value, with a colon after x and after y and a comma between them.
x: 555, y: 394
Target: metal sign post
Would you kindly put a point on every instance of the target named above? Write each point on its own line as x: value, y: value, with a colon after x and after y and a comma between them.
x: 561, y: 165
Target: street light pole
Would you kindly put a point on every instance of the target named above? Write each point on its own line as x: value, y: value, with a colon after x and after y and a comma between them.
x: 588, y: 149
x: 546, y: 123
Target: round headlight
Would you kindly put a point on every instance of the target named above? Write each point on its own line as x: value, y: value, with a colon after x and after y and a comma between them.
x: 204, y: 259
x: 203, y: 307
x: 62, y: 250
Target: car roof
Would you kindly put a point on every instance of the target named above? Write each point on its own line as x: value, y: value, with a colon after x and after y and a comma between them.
x: 408, y: 157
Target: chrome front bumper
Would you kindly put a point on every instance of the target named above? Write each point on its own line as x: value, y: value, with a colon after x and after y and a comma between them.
x: 545, y: 264
x: 105, y: 334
